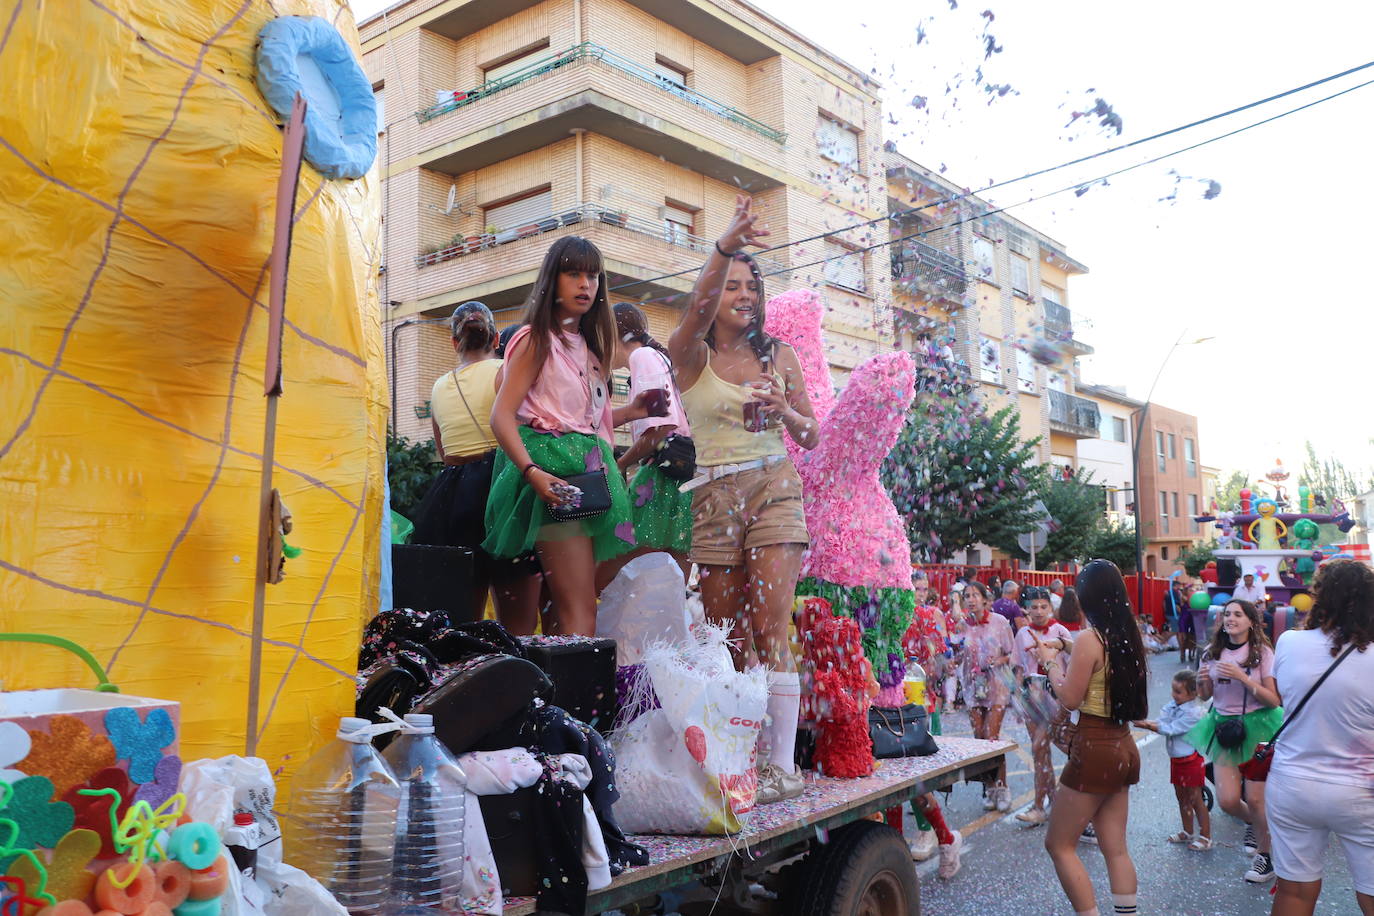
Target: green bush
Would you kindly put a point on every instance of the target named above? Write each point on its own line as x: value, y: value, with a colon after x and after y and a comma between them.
x: 1196, y: 557
x: 410, y: 469
x: 1115, y: 543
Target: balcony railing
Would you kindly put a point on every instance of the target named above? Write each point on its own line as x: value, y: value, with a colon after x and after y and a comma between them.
x: 606, y: 57
x: 1077, y: 414
x: 922, y: 268
x: 585, y: 214
x: 1058, y: 320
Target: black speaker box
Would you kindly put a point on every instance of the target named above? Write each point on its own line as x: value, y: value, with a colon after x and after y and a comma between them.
x: 429, y: 578
x: 1228, y: 572
x: 583, y: 675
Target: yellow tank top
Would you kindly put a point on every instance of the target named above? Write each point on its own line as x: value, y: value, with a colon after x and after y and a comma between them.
x: 715, y: 411
x: 1097, y: 701
x: 461, y: 432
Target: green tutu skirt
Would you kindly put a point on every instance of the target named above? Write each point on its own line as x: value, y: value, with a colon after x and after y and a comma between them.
x: 662, y: 512
x: 1260, y: 726
x: 516, y: 514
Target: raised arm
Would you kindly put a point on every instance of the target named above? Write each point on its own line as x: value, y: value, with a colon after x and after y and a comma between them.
x: 686, y: 345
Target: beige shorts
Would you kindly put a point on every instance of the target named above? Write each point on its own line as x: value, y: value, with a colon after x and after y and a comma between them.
x: 755, y: 508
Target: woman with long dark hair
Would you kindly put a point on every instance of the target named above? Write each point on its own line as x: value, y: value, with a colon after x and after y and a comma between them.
x: 1322, y: 780
x: 1070, y: 612
x: 1106, y: 684
x: 742, y: 389
x: 553, y: 420
x: 1237, y: 674
x: 452, y: 513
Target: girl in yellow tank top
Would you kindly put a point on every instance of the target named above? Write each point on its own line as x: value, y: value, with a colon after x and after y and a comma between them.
x: 749, y: 529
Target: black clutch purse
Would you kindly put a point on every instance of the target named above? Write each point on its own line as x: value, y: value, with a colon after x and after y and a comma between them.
x: 900, y: 731
x: 596, y: 497
x: 677, y: 458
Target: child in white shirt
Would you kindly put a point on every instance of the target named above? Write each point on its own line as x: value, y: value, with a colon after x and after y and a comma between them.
x: 1186, y: 768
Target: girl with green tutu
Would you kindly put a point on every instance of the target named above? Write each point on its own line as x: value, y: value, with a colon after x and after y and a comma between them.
x: 662, y: 512
x: 1237, y: 674
x: 553, y: 420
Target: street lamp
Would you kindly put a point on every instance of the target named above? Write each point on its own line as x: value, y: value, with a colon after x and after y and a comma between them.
x: 1135, y: 474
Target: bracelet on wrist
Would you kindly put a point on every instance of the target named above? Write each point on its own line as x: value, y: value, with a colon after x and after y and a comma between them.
x: 723, y: 253
x: 526, y: 469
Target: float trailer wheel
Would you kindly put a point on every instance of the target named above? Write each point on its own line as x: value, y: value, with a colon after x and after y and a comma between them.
x: 865, y: 870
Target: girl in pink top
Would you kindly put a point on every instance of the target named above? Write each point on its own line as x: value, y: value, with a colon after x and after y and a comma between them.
x: 553, y: 419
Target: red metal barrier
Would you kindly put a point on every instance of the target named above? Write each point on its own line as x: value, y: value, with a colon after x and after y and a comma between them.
x: 943, y: 575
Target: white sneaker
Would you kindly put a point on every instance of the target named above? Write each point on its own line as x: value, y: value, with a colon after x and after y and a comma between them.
x: 1034, y: 817
x: 989, y: 798
x: 924, y: 846
x: 1261, y: 869
x: 775, y: 785
x: 1089, y: 835
x: 949, y: 857
x: 1003, y: 795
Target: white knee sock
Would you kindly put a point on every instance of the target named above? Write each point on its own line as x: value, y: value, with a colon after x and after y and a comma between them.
x: 1091, y: 912
x: 779, y: 736
x: 1124, y: 903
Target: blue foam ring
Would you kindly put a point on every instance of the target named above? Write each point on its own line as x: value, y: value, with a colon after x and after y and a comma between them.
x: 306, y: 54
x: 195, y: 845
x: 198, y: 908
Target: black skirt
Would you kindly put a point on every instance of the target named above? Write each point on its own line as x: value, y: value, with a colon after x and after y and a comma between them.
x: 453, y: 514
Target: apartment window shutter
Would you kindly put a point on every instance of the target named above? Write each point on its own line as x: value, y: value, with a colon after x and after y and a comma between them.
x: 837, y: 142
x: 519, y: 212
x: 845, y: 268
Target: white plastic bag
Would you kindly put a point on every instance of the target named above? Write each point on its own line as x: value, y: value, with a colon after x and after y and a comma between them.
x: 217, y: 789
x: 688, y: 767
x: 644, y: 604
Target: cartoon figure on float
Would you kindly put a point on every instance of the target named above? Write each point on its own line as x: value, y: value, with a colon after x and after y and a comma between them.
x: 1270, y: 529
x: 860, y: 559
x: 1305, y: 534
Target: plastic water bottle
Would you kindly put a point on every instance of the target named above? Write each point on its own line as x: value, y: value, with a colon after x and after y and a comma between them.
x: 914, y: 683
x: 341, y: 819
x: 429, y: 861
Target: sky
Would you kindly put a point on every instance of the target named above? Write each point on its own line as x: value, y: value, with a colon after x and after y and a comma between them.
x: 1269, y: 267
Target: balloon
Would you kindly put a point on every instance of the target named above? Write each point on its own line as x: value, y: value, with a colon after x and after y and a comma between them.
x: 1302, y: 602
x: 1199, y: 601
x: 1220, y: 598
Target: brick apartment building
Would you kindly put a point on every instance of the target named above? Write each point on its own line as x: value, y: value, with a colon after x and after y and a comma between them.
x: 510, y: 123
x: 1171, y: 485
x: 998, y: 288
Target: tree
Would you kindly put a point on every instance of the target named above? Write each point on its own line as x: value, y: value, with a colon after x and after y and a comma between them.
x: 410, y: 468
x: 959, y: 477
x: 1076, y: 505
x: 1228, y: 491
x: 1195, y: 557
x: 1330, y: 477
x: 1115, y: 542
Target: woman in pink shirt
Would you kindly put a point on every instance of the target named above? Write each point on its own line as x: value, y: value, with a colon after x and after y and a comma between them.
x: 553, y: 420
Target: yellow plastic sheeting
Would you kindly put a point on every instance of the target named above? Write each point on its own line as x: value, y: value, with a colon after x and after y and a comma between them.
x: 138, y: 168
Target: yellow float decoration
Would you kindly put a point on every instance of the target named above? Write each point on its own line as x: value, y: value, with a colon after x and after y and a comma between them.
x: 138, y: 171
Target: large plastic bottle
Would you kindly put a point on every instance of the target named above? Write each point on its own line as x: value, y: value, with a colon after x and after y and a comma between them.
x: 429, y: 865
x: 914, y: 683
x: 340, y: 823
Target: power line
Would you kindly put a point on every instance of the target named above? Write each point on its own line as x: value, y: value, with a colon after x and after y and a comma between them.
x: 1031, y: 199
x: 1039, y: 172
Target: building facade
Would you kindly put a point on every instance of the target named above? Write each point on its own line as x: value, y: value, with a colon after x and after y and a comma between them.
x: 1108, y: 456
x: 997, y: 290
x: 1171, y: 485
x: 634, y: 123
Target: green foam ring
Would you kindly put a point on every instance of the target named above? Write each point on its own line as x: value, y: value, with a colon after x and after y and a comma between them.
x: 81, y: 652
x: 195, y: 845
x: 198, y: 908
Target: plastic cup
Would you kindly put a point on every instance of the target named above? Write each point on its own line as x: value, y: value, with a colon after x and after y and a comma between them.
x: 656, y: 402
x: 754, y: 420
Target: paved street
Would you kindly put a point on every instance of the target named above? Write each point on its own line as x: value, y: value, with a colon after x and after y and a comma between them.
x: 1006, y: 870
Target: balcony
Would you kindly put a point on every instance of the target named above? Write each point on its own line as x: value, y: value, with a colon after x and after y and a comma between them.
x: 1074, y: 416
x: 607, y: 57
x: 1059, y: 325
x: 498, y: 267
x: 921, y: 269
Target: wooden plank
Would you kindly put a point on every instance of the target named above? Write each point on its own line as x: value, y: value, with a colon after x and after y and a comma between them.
x: 826, y: 804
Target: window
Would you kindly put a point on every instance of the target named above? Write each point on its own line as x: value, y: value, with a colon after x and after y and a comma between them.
x: 511, y: 63
x: 1025, y: 372
x: 379, y: 96
x: 1173, y: 446
x: 1163, y: 505
x: 512, y: 214
x: 1051, y: 294
x: 984, y: 255
x: 1175, y: 501
x: 989, y: 360
x: 670, y: 76
x: 844, y: 268
x: 837, y: 142
x: 1190, y: 457
x: 1159, y: 448
x: 1110, y: 498
x: 1192, y: 510
x: 1164, y: 551
x: 678, y: 223
x: 1057, y: 382
x: 1020, y: 275
x: 1118, y: 429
